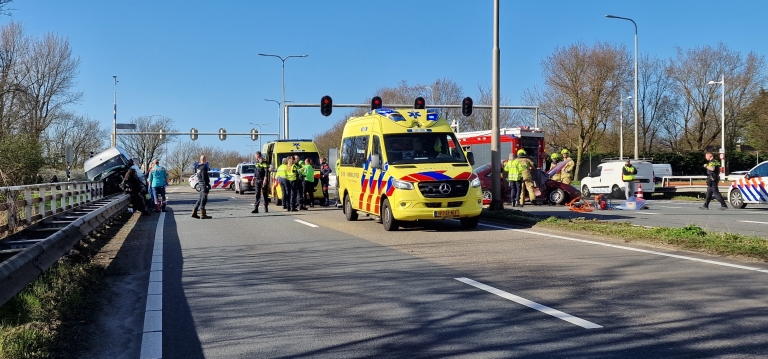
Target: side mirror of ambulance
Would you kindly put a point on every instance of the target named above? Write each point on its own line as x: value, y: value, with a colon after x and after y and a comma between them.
x: 375, y: 161
x: 471, y: 158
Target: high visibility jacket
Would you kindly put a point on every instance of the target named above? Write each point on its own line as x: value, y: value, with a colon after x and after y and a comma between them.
x: 628, y: 173
x: 567, y: 168
x: 714, y: 175
x: 261, y: 168
x: 290, y: 172
x: 513, y: 170
x: 526, y: 166
x: 338, y: 165
x: 309, y: 173
x: 281, y: 170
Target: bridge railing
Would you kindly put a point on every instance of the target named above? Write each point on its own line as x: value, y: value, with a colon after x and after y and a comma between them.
x: 25, y: 205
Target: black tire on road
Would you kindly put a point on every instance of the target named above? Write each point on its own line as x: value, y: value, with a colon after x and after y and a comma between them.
x: 350, y: 213
x: 585, y: 191
x: 557, y: 196
x: 387, y: 219
x: 616, y: 192
x: 469, y: 222
x: 736, y: 200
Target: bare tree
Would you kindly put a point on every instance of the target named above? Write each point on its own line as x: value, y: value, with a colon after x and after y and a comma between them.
x: 658, y: 105
x: 181, y: 158
x: 83, y: 133
x: 14, y: 49
x: 583, y: 84
x: 691, y: 71
x: 147, y: 147
x: 4, y: 9
x: 756, y: 114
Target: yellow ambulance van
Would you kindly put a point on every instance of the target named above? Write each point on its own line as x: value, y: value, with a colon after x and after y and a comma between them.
x: 406, y: 165
x: 275, y: 151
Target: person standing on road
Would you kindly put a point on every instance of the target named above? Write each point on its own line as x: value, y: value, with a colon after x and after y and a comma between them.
x: 158, y: 178
x: 525, y: 166
x: 260, y: 182
x: 512, y: 168
x: 628, y: 173
x: 132, y: 186
x: 283, y: 182
x: 291, y: 177
x: 309, y: 181
x: 555, y: 161
x: 713, y: 178
x: 566, y: 173
x: 338, y: 180
x: 205, y: 186
x: 325, y: 171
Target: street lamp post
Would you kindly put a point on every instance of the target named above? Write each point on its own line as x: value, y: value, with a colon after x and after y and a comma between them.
x: 258, y: 124
x: 722, y: 121
x: 496, y: 203
x: 634, y: 23
x: 621, y: 127
x: 279, y: 107
x: 114, y: 118
x: 285, y: 125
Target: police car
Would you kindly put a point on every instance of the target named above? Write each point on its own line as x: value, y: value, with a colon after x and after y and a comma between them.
x: 750, y: 188
x: 218, y: 180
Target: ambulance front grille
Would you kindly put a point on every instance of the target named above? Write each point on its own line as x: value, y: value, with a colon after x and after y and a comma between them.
x: 444, y: 189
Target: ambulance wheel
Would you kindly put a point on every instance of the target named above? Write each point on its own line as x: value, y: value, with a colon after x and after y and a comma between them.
x: 197, y: 187
x: 616, y: 192
x: 736, y: 200
x: 469, y: 222
x: 585, y: 191
x: 557, y: 196
x: 350, y: 213
x: 387, y: 219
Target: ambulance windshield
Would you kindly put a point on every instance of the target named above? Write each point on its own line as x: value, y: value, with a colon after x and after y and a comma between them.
x: 423, y: 147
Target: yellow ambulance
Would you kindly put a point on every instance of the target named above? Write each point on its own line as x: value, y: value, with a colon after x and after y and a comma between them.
x: 406, y: 165
x: 275, y: 151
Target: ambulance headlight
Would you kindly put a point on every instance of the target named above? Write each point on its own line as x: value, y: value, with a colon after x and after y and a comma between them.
x: 402, y: 184
x: 474, y: 181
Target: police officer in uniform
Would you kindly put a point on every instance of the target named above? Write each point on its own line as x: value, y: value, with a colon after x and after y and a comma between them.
x: 713, y: 177
x: 261, y: 182
x: 325, y: 171
x: 202, y: 177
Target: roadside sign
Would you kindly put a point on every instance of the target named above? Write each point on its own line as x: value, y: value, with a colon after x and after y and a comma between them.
x: 722, y: 156
x: 125, y: 126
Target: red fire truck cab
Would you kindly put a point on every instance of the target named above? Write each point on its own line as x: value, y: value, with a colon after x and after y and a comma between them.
x: 511, y: 140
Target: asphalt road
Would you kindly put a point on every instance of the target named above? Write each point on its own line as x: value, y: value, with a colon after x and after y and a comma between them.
x: 752, y: 220
x: 312, y: 285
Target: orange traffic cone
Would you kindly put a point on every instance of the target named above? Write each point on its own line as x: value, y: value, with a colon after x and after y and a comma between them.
x: 639, y: 191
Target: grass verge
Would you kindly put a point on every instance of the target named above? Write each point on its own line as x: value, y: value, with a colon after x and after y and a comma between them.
x: 691, y: 237
x: 42, y: 320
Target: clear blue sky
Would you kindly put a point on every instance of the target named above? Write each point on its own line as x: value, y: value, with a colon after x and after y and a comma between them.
x: 196, y: 61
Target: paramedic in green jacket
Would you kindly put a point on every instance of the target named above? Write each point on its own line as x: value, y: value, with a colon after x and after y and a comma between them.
x: 309, y: 181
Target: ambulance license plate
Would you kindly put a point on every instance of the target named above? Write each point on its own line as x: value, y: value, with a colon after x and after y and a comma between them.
x: 447, y: 213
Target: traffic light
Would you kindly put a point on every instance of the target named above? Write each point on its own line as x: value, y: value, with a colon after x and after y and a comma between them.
x: 254, y: 134
x: 326, y: 105
x: 375, y: 103
x: 466, y: 106
x: 419, y: 104
x: 222, y: 134
x: 193, y: 134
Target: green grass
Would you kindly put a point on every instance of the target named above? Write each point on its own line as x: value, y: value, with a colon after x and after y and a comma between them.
x: 690, y: 237
x: 34, y: 323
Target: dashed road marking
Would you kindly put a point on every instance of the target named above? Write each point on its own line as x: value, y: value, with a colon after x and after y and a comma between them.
x: 306, y: 223
x: 531, y: 304
x: 754, y: 222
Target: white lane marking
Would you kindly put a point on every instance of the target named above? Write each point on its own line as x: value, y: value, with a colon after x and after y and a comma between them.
x: 724, y: 264
x: 306, y: 223
x: 152, y: 336
x: 669, y: 207
x: 754, y: 222
x: 648, y: 213
x: 531, y: 304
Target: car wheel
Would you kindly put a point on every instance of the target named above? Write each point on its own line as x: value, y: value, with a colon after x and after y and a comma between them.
x: 736, y: 200
x: 557, y: 196
x: 387, y: 219
x: 585, y: 191
x: 469, y: 222
x: 616, y: 192
x: 197, y: 187
x: 232, y: 187
x: 350, y: 213
x: 487, y: 195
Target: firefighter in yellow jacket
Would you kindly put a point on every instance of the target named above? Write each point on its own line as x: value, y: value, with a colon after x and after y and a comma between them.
x: 525, y: 166
x: 555, y: 161
x: 566, y: 173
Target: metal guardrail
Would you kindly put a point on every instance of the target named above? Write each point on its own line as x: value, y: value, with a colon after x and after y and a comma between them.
x: 35, y: 249
x: 666, y: 179
x: 42, y: 200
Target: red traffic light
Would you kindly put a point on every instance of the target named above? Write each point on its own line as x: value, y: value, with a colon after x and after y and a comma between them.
x: 375, y: 103
x: 326, y: 105
x: 419, y: 103
x: 466, y: 106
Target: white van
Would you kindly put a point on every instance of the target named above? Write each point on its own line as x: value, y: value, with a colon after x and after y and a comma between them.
x: 607, y: 179
x: 661, y: 170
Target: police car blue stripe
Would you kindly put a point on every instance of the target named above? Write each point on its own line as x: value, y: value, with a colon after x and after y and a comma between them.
x: 745, y: 193
x: 756, y: 190
x: 762, y: 189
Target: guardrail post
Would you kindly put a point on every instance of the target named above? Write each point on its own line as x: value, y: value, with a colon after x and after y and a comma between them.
x: 54, y: 207
x: 78, y: 189
x: 28, y: 205
x: 64, y: 204
x: 41, y: 192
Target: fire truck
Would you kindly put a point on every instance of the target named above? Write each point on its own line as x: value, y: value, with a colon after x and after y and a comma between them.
x: 510, y: 141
